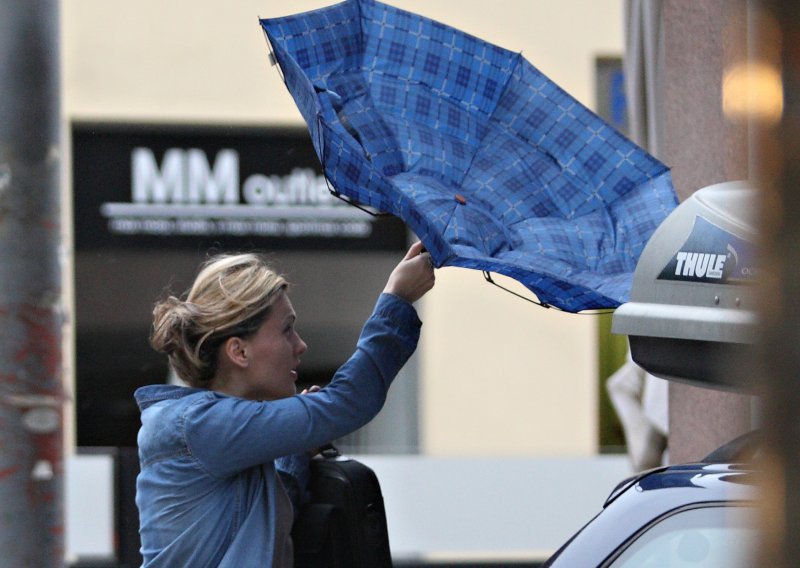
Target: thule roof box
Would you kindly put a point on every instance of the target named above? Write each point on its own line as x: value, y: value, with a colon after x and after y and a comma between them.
x: 692, y: 307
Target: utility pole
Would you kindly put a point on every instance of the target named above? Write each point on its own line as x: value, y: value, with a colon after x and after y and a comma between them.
x: 31, y: 314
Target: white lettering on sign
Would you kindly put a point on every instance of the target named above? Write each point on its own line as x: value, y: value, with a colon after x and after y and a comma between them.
x: 301, y: 187
x: 185, y: 176
x: 187, y: 194
x: 699, y: 264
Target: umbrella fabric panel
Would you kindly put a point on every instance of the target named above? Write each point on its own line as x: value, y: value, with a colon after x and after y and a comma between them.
x: 361, y: 49
x: 516, y: 180
x: 519, y: 186
x: 638, y: 215
x: 320, y: 42
x: 343, y: 162
x: 581, y: 246
x: 594, y: 164
x: 453, y: 64
x: 344, y: 168
x: 470, y: 230
x: 371, y: 130
x: 408, y: 130
x: 556, y: 242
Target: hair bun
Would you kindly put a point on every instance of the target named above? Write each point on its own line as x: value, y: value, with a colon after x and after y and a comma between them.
x: 170, y: 319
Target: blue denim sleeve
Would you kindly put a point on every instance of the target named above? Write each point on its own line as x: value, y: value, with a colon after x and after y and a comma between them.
x: 227, y: 435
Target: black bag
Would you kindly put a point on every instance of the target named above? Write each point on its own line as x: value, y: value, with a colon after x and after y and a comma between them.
x: 344, y: 524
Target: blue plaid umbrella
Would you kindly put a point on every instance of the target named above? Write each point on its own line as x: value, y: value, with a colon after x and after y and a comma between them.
x: 490, y: 163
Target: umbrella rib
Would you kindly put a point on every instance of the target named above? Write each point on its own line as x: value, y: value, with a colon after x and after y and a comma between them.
x: 488, y: 276
x: 338, y: 195
x: 272, y: 57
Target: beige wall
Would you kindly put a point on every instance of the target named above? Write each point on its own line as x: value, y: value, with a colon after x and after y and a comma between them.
x: 497, y: 375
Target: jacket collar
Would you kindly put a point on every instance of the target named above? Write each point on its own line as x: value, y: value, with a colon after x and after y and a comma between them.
x: 149, y: 395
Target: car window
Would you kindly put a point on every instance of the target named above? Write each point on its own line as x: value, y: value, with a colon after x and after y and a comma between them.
x: 711, y: 537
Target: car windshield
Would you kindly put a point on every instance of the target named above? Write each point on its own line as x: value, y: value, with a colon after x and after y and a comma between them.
x: 711, y: 537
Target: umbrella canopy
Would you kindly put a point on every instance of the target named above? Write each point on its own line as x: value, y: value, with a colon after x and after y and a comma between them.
x: 491, y: 164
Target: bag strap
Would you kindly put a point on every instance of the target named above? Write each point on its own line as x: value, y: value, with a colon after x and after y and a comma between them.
x: 329, y: 451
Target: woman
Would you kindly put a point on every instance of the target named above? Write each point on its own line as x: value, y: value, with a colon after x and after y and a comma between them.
x: 225, y: 462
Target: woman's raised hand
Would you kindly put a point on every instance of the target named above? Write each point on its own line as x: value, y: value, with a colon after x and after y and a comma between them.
x: 413, y: 276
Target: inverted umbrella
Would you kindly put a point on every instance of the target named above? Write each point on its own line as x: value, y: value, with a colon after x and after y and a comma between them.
x: 491, y: 164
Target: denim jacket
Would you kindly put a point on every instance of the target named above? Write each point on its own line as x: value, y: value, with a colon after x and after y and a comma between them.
x: 207, y: 491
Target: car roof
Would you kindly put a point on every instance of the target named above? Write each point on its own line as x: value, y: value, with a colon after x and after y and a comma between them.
x: 651, y: 495
x: 715, y: 478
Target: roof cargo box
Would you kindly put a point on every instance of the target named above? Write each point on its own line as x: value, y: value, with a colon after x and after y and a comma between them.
x: 691, y: 313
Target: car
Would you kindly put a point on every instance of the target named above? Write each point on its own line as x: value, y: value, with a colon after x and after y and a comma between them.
x: 696, y: 514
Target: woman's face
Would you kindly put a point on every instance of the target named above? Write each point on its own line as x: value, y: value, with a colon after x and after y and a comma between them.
x: 273, y: 355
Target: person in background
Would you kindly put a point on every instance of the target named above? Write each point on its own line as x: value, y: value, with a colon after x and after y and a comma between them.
x: 641, y: 402
x: 224, y: 461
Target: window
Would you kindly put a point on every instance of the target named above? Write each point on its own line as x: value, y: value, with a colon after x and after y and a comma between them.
x: 714, y: 536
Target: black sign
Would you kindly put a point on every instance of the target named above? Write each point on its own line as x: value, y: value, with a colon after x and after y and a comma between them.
x: 144, y: 186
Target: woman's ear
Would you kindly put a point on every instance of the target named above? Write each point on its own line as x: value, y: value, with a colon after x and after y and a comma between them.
x: 235, y: 350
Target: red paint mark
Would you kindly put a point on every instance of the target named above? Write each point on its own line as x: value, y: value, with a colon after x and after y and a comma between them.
x: 9, y: 471
x: 49, y: 447
x: 42, y: 337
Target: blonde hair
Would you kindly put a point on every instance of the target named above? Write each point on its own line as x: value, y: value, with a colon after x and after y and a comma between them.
x: 231, y: 296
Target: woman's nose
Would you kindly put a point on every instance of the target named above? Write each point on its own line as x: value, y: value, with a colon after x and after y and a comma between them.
x: 301, y: 346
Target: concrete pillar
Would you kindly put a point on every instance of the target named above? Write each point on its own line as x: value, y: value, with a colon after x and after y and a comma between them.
x: 701, y: 38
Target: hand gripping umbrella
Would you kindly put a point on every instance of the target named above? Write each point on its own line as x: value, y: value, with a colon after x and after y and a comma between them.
x: 490, y: 163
